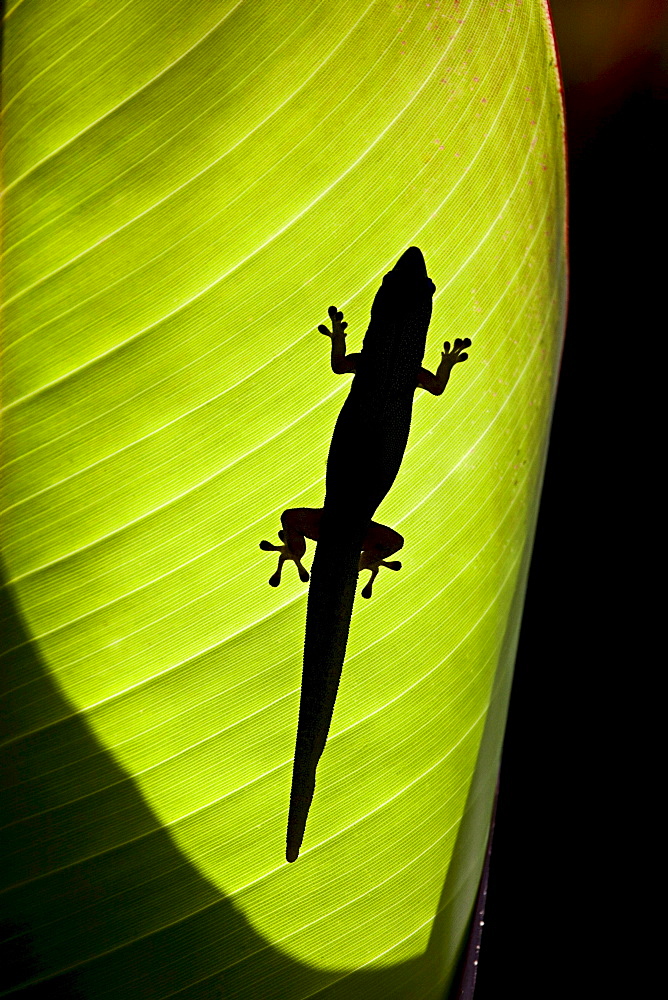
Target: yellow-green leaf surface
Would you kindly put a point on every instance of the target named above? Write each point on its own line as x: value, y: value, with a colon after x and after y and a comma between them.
x: 188, y: 187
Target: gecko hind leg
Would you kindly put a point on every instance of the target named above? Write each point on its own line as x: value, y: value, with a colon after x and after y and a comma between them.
x: 298, y: 525
x: 275, y: 578
x: 396, y: 565
x: 379, y: 543
x: 285, y: 556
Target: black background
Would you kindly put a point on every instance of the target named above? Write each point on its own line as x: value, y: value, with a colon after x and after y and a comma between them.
x: 560, y: 864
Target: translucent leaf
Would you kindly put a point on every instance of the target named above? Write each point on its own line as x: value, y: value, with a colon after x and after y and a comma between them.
x: 187, y: 188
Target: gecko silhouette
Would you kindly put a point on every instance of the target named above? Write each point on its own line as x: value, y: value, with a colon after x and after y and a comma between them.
x: 365, y: 454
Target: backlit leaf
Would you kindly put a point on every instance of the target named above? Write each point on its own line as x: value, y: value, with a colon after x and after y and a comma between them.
x: 188, y: 186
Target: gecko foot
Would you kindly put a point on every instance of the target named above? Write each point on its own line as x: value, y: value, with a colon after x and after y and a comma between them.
x: 368, y: 590
x: 285, y: 555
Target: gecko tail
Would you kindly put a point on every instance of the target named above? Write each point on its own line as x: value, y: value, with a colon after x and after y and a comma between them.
x: 330, y: 603
x: 300, y: 803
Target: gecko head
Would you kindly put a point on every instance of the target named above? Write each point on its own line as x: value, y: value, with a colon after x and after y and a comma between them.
x: 401, y: 310
x: 411, y: 264
x: 411, y: 270
x: 408, y: 283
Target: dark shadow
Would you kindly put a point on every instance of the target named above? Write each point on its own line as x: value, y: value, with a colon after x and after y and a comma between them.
x: 126, y: 924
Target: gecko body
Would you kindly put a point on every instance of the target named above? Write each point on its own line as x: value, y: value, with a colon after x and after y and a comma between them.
x: 366, y: 451
x: 364, y: 458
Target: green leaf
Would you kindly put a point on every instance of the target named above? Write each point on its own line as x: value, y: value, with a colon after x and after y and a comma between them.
x: 187, y: 188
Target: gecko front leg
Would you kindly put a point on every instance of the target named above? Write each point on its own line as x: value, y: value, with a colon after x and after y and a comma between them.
x: 449, y: 358
x: 340, y: 362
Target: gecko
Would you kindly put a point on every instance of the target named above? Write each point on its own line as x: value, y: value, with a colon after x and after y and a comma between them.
x: 365, y: 454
